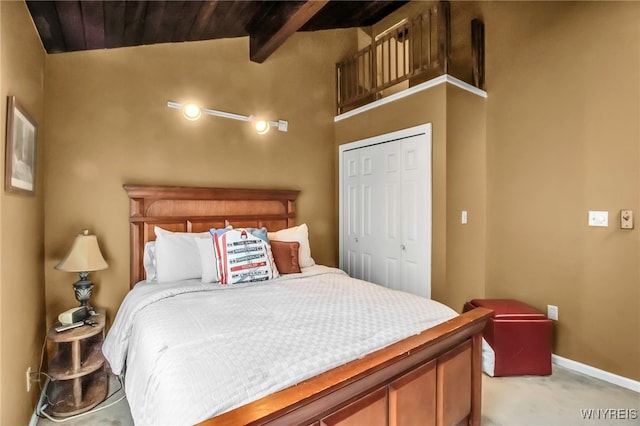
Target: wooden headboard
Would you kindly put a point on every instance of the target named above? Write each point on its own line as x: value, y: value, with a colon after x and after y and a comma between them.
x: 191, y: 209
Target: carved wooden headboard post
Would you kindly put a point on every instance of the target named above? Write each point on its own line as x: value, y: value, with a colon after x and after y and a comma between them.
x: 197, y: 209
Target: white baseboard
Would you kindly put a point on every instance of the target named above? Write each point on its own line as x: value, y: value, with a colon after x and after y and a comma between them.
x: 625, y: 382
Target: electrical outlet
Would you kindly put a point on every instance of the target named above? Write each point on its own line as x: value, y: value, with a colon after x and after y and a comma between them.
x: 28, y: 379
x: 552, y: 312
x: 598, y: 218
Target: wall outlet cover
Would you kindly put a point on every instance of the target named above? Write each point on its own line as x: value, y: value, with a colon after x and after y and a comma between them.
x: 598, y: 218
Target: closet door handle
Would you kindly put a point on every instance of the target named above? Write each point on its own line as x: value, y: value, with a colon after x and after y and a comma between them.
x: 356, y: 239
x: 402, y: 246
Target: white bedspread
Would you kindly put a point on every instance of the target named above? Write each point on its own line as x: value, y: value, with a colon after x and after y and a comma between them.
x: 193, y: 350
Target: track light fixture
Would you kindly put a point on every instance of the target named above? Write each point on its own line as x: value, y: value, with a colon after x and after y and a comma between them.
x: 194, y: 112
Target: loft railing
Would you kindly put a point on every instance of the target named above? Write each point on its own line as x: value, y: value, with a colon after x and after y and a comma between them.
x: 416, y: 48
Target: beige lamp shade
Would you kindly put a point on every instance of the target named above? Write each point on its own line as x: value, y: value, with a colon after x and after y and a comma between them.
x: 84, y: 256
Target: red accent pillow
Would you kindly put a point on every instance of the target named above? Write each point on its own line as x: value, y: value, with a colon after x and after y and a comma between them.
x: 285, y: 254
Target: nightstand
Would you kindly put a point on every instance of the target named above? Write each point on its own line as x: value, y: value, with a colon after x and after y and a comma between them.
x: 77, y: 368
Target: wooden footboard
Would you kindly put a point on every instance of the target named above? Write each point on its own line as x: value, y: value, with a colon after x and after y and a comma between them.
x: 433, y: 378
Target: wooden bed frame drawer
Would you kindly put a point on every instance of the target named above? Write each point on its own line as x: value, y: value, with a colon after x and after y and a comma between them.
x: 370, y: 410
x: 412, y: 397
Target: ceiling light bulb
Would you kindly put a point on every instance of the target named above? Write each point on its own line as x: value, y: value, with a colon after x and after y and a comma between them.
x: 192, y: 112
x: 262, y: 127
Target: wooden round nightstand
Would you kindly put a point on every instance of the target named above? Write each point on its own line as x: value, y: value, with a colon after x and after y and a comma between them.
x: 79, y: 381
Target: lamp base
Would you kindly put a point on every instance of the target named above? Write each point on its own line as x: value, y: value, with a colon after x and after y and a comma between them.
x: 83, y: 289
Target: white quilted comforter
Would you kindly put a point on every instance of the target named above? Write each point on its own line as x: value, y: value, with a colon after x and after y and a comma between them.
x: 194, y: 350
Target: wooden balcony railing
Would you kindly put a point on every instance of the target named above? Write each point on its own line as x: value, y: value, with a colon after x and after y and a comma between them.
x: 416, y: 48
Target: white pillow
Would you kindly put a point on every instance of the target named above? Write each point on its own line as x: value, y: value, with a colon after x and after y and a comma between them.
x: 208, y: 260
x: 149, y: 260
x: 300, y: 234
x: 177, y: 255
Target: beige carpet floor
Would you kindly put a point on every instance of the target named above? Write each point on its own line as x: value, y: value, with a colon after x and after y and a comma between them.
x: 562, y: 399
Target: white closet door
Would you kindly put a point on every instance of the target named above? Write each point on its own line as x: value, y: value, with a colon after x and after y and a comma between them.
x: 365, y: 238
x: 385, y: 203
x: 387, y: 216
x: 416, y: 217
x: 352, y: 208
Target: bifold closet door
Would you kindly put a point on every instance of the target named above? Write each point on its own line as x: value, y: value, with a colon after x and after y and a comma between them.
x: 415, y: 216
x: 386, y: 213
x: 359, y: 236
x: 351, y: 207
x: 372, y: 246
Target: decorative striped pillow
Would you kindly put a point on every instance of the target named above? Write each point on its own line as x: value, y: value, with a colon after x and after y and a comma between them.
x: 243, y: 257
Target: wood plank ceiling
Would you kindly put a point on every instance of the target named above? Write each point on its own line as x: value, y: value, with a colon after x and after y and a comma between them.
x: 66, y: 26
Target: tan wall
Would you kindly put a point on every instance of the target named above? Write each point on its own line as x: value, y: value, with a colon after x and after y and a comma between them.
x: 108, y: 124
x: 459, y: 180
x: 563, y: 138
x: 428, y: 106
x: 22, y: 328
x: 466, y: 190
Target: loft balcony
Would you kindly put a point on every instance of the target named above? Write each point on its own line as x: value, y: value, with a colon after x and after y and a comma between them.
x: 414, y: 50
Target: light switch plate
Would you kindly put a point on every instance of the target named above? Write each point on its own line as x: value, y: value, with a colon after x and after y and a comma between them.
x: 626, y: 219
x: 598, y: 218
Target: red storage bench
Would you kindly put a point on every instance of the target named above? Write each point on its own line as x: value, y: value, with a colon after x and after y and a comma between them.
x: 520, y: 336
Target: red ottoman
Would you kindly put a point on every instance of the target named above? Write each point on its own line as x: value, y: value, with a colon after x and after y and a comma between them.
x: 521, y: 337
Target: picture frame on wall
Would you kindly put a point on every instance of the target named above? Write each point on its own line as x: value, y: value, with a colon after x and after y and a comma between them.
x: 20, y: 152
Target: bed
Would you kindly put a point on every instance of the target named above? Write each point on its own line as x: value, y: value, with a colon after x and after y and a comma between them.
x: 348, y: 353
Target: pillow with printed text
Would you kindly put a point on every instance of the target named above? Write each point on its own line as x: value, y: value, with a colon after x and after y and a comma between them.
x: 243, y: 257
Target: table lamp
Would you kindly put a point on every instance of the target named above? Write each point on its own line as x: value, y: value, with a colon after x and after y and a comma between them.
x: 84, y: 257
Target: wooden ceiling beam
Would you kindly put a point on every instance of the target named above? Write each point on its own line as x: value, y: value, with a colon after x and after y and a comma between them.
x: 45, y: 17
x: 135, y: 12
x: 93, y: 23
x: 114, y: 12
x: 263, y: 44
x: 70, y: 15
x: 203, y: 17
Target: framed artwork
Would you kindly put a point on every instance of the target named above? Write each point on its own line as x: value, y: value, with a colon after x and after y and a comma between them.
x: 20, y: 152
